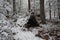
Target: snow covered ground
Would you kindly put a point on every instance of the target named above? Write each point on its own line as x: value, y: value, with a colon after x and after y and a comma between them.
x: 10, y: 31
x: 17, y: 33
x: 24, y: 35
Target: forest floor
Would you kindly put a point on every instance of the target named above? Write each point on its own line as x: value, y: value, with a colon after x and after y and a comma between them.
x: 10, y: 30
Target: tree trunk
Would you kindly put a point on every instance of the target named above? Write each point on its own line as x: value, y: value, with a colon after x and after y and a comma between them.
x: 42, y: 13
x: 54, y: 13
x: 29, y: 5
x: 14, y: 7
x: 20, y: 5
x: 50, y: 10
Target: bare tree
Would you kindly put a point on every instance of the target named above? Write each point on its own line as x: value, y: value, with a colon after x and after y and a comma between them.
x: 29, y: 5
x: 14, y: 7
x: 54, y: 13
x: 50, y: 9
x: 42, y: 12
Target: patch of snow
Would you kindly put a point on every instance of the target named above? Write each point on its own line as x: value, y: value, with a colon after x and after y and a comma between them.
x: 26, y: 36
x: 22, y: 21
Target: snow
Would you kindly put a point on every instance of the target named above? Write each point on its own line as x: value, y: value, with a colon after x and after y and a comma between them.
x: 21, y: 35
x: 8, y: 8
x: 25, y: 35
x: 6, y: 30
x: 22, y: 20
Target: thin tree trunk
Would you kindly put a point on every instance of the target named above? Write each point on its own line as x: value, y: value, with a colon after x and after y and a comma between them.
x: 50, y: 10
x: 42, y: 12
x: 58, y: 13
x: 29, y: 5
x: 14, y: 7
x: 20, y: 5
x: 54, y: 13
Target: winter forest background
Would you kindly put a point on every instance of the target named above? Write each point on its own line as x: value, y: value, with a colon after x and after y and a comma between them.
x: 29, y: 19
